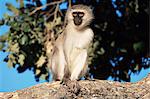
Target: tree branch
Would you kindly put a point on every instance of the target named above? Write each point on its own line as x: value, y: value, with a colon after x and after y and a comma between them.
x: 48, y: 4
x: 85, y: 89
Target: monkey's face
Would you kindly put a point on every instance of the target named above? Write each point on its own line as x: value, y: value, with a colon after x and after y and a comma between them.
x: 79, y: 16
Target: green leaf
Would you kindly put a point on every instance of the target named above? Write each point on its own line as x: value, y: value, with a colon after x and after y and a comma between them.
x: 40, y: 20
x: 123, y: 50
x: 112, y: 44
x: 58, y: 21
x: 14, y: 24
x: 49, y: 25
x: 101, y: 51
x: 10, y: 63
x: 11, y: 57
x: 21, y: 59
x: 43, y: 76
x: 138, y: 46
x: 1, y: 46
x: 136, y: 67
x: 29, y: 19
x: 6, y: 16
x: 2, y: 22
x: 41, y: 61
x: 14, y: 48
x: 11, y: 60
x: 37, y: 71
x: 12, y: 8
x: 24, y: 40
x: 4, y: 37
x: 96, y: 44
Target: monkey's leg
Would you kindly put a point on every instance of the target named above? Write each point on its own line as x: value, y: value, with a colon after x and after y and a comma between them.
x: 58, y: 64
x: 78, y: 64
x: 61, y: 65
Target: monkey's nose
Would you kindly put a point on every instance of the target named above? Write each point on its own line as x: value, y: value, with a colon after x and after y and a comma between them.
x: 77, y: 21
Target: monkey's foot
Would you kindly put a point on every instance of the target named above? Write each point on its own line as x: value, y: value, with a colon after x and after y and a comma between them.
x: 73, y: 86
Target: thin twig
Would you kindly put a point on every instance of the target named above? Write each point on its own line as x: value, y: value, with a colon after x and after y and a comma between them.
x: 69, y: 4
x: 50, y: 15
x: 55, y: 13
x: 48, y: 4
x: 60, y: 12
x: 57, y: 10
x: 51, y: 10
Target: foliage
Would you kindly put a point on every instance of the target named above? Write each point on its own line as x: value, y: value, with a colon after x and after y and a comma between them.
x: 26, y: 37
x: 121, y: 38
x: 119, y: 47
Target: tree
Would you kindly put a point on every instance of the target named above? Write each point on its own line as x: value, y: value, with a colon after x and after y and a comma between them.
x: 119, y: 47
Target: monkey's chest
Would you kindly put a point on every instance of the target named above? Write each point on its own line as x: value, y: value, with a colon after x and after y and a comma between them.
x: 74, y: 45
x: 78, y: 41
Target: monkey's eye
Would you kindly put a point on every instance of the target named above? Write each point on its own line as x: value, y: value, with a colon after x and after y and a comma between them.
x: 74, y: 14
x: 81, y: 14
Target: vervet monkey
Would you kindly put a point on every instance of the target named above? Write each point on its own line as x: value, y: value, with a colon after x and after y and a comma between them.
x: 69, y: 59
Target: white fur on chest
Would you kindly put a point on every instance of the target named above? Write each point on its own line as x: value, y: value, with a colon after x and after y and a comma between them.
x: 79, y: 39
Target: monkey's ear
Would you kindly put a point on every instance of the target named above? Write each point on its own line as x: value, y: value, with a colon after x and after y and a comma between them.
x: 91, y: 7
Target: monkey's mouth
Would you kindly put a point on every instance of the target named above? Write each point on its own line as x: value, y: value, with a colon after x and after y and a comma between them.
x: 77, y: 21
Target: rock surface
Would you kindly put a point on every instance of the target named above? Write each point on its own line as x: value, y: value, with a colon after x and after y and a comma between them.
x: 84, y: 89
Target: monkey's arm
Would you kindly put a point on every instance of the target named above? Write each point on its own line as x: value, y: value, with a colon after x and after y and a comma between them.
x: 78, y: 63
x: 58, y: 59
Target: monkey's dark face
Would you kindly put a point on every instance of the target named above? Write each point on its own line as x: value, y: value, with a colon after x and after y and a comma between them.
x: 77, y: 18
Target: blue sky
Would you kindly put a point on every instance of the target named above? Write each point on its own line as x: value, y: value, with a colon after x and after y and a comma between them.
x: 11, y: 80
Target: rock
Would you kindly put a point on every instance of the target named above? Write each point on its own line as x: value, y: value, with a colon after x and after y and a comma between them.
x: 97, y: 89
